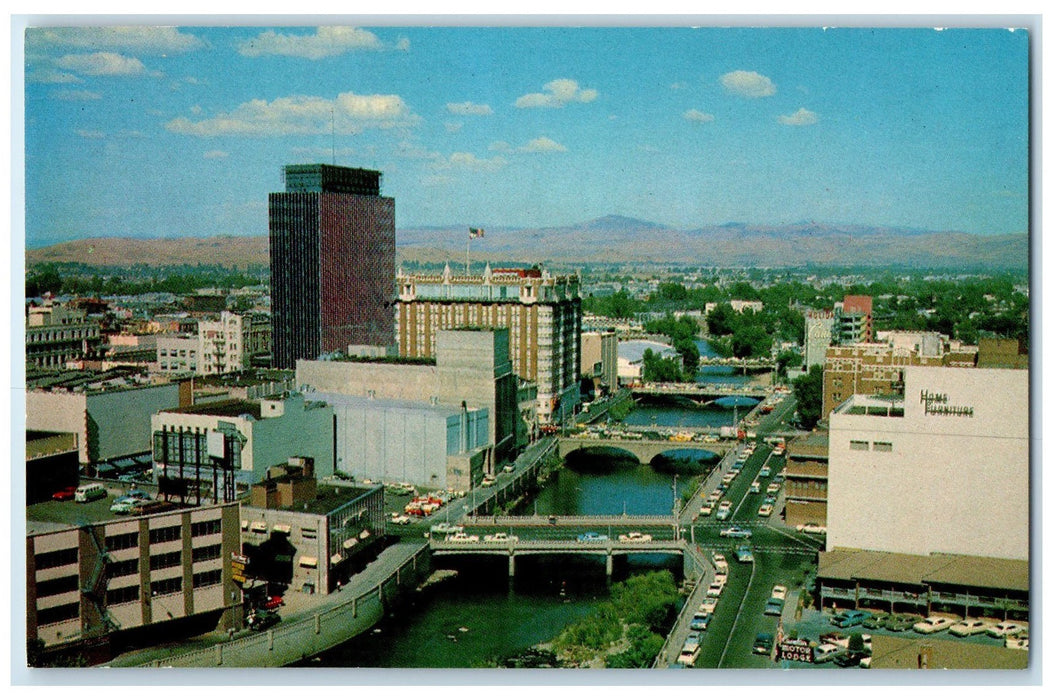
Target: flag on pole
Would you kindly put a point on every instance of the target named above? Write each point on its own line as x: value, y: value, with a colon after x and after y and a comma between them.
x: 474, y: 233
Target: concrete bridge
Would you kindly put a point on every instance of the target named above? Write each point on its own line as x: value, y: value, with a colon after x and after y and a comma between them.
x: 608, y: 549
x: 703, y: 393
x: 643, y: 450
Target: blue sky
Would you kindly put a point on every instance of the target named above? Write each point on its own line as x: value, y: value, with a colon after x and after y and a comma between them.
x: 183, y: 131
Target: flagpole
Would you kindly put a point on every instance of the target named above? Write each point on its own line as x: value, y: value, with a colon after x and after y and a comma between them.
x: 467, y: 252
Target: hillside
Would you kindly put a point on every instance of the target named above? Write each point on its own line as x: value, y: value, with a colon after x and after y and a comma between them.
x: 610, y: 239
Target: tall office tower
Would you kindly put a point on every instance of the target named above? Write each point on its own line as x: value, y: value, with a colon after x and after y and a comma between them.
x: 332, y: 247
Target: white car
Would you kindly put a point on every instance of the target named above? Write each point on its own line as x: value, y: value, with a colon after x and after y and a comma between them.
x: 765, y: 510
x: 720, y: 578
x: 779, y: 592
x: 715, y: 589
x: 826, y: 652
x: 635, y: 537
x: 500, y: 537
x: 708, y: 606
x: 462, y: 537
x: 811, y: 529
x: 719, y: 560
x: 1006, y: 629
x: 706, y: 509
x: 936, y: 623
x: 968, y: 627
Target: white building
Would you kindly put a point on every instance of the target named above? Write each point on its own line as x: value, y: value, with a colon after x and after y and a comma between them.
x: 223, y: 344
x: 818, y: 336
x: 631, y: 354
x: 943, y: 470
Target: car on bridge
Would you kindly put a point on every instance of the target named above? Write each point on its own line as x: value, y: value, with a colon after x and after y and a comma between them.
x: 500, y: 537
x: 736, y: 532
x: 592, y: 537
x: 462, y: 537
x: 635, y: 537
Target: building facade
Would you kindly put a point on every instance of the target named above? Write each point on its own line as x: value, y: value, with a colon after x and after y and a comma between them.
x: 124, y: 574
x: 807, y: 476
x: 599, y: 357
x: 332, y: 252
x: 219, y: 344
x: 944, y: 468
x: 247, y: 437
x: 57, y: 334
x: 542, y: 313
x: 818, y: 336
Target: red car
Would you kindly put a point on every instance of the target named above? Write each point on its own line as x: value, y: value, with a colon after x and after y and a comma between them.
x: 272, y: 602
x: 64, y: 494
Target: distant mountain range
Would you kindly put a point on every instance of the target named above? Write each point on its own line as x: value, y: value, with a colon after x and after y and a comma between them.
x: 609, y: 239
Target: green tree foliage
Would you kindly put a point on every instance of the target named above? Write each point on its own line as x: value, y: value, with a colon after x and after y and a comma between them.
x: 657, y: 368
x: 808, y: 390
x: 682, y: 332
x: 617, y: 305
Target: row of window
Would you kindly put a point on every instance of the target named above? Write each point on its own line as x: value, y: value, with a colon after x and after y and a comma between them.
x: 865, y: 446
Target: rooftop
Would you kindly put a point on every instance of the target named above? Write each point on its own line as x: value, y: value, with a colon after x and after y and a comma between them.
x: 943, y: 569
x: 250, y: 377
x: 58, y: 515
x: 330, y: 498
x: 232, y: 408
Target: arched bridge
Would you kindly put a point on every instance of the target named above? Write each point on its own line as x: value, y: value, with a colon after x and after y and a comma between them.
x: 643, y: 450
x: 703, y: 393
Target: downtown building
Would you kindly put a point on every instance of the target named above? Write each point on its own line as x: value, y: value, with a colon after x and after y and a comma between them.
x: 332, y: 250
x: 542, y: 313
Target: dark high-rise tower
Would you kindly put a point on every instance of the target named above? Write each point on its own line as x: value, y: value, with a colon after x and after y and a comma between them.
x: 332, y: 247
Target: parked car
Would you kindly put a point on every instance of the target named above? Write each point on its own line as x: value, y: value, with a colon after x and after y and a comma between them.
x: 124, y: 506
x: 850, y: 618
x: 708, y: 606
x: 744, y: 554
x: 720, y: 561
x: 64, y: 494
x: 876, y: 621
x: 968, y: 627
x: 765, y: 510
x: 592, y: 537
x: 851, y: 659
x: 901, y: 622
x: 706, y: 509
x: 259, y: 621
x: 811, y: 529
x: 763, y: 643
x: 272, y: 602
x: 635, y: 537
x: 935, y: 623
x: 736, y: 532
x: 827, y: 652
x: 715, y: 589
x: 1006, y: 629
x: 700, y: 621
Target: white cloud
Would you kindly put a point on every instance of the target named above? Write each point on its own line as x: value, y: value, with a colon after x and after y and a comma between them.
x: 453, y: 127
x: 748, y: 84
x: 49, y: 75
x: 557, y: 93
x: 142, y: 39
x: 325, y: 42
x: 402, y: 44
x: 542, y: 144
x: 801, y: 117
x: 101, y: 63
x: 215, y: 154
x: 468, y: 109
x: 501, y: 146
x: 469, y: 162
x: 76, y: 95
x: 694, y: 115
x: 347, y: 114
x: 90, y: 134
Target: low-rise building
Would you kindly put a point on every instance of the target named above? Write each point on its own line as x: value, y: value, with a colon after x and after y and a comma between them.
x: 242, y: 437
x: 307, y: 536
x: 599, y: 359
x: 57, y: 334
x: 115, y: 578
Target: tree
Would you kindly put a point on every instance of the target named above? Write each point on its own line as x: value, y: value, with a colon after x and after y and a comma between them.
x: 808, y: 390
x: 657, y: 368
x: 721, y: 320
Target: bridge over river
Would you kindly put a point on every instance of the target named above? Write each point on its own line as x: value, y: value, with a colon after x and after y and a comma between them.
x: 643, y: 450
x: 703, y: 393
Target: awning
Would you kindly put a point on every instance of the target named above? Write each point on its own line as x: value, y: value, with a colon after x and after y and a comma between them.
x: 336, y: 559
x: 259, y: 526
x: 309, y: 561
x: 348, y: 544
x: 282, y: 527
x: 363, y: 535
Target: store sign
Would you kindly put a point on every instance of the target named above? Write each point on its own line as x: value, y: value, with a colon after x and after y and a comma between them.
x: 937, y: 404
x: 237, y: 567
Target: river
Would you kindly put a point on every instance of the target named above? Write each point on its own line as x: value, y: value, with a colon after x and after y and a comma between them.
x: 475, y: 617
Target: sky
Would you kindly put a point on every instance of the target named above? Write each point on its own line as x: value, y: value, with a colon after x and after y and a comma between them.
x: 166, y: 131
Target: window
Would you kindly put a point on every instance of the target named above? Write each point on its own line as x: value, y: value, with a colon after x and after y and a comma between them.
x: 207, y: 553
x: 208, y: 578
x: 127, y: 594
x: 308, y: 533
x: 57, y: 586
x: 128, y: 540
x: 861, y: 445
x: 122, y: 568
x: 167, y: 586
x: 61, y: 613
x: 166, y: 534
x: 163, y: 561
x: 882, y: 446
x: 62, y: 557
x: 208, y: 527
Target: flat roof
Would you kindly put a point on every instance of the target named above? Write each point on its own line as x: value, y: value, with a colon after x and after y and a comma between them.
x: 807, y: 469
x: 813, y: 444
x: 232, y: 408
x: 250, y: 377
x: 48, y: 516
x: 345, y: 400
x: 330, y: 498
x: 894, y: 652
x: 917, y: 569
